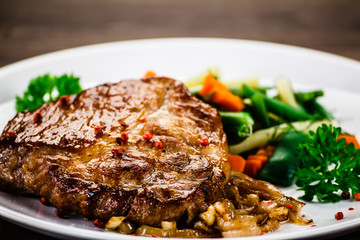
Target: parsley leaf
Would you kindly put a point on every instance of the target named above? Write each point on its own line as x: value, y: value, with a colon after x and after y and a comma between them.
x: 327, y: 166
x: 47, y: 88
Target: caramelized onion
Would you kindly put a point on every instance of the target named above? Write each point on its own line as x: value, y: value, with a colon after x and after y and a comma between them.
x: 295, y: 218
x: 127, y: 227
x: 270, y: 226
x: 145, y: 230
x: 250, y: 208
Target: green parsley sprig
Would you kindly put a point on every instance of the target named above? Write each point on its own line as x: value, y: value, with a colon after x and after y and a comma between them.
x: 328, y: 166
x: 47, y: 88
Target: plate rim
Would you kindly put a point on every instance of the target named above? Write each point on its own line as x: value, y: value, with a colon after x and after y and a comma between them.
x: 68, y: 51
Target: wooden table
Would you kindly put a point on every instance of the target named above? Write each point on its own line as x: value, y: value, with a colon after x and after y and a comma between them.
x: 29, y: 28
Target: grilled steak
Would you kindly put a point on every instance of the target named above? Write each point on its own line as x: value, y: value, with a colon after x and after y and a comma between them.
x: 135, y: 148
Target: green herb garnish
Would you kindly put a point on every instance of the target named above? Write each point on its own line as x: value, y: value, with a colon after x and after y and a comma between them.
x: 47, y: 88
x: 328, y: 166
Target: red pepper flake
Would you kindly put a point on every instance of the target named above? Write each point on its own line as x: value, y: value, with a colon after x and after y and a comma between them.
x: 154, y: 235
x: 289, y: 206
x: 97, y: 129
x: 357, y: 196
x: 313, y: 225
x: 345, y: 195
x: 37, y: 117
x: 60, y: 214
x: 143, y: 120
x: 261, y: 234
x: 124, y: 137
x: 133, y: 234
x: 269, y: 203
x: 148, y: 136
x: 64, y: 101
x: 44, y: 201
x: 158, y: 145
x: 98, y: 223
x: 351, y: 209
x: 339, y: 216
x: 117, y: 151
x: 119, y: 141
x: 204, y: 142
x: 10, y: 135
x: 303, y: 215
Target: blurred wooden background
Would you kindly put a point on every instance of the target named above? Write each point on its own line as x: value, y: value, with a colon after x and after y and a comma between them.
x: 29, y: 28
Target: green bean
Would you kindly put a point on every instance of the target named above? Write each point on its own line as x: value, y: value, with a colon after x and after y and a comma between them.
x: 237, y: 125
x: 318, y: 110
x: 308, y: 96
x: 261, y: 113
x: 235, y: 86
x: 279, y: 108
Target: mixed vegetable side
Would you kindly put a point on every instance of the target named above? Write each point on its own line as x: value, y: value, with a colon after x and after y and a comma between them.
x: 274, y: 137
x: 278, y: 135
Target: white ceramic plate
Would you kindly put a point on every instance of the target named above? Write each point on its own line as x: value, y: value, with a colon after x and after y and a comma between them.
x: 182, y: 58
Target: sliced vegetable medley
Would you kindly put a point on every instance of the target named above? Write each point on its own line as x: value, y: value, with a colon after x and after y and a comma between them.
x: 275, y: 137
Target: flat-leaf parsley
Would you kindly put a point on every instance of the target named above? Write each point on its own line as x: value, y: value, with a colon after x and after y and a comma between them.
x: 328, y: 166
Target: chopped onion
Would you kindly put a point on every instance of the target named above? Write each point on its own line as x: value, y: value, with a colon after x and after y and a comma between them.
x: 114, y: 222
x: 168, y: 225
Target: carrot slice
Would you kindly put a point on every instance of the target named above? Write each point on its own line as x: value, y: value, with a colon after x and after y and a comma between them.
x: 255, y: 163
x: 252, y: 168
x: 228, y: 101
x: 350, y: 139
x: 263, y: 159
x: 261, y: 152
x: 237, y: 162
x: 150, y: 74
x: 217, y: 93
x: 209, y: 86
x: 270, y: 149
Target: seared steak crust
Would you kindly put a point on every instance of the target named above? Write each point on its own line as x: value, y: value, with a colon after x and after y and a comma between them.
x: 63, y: 158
